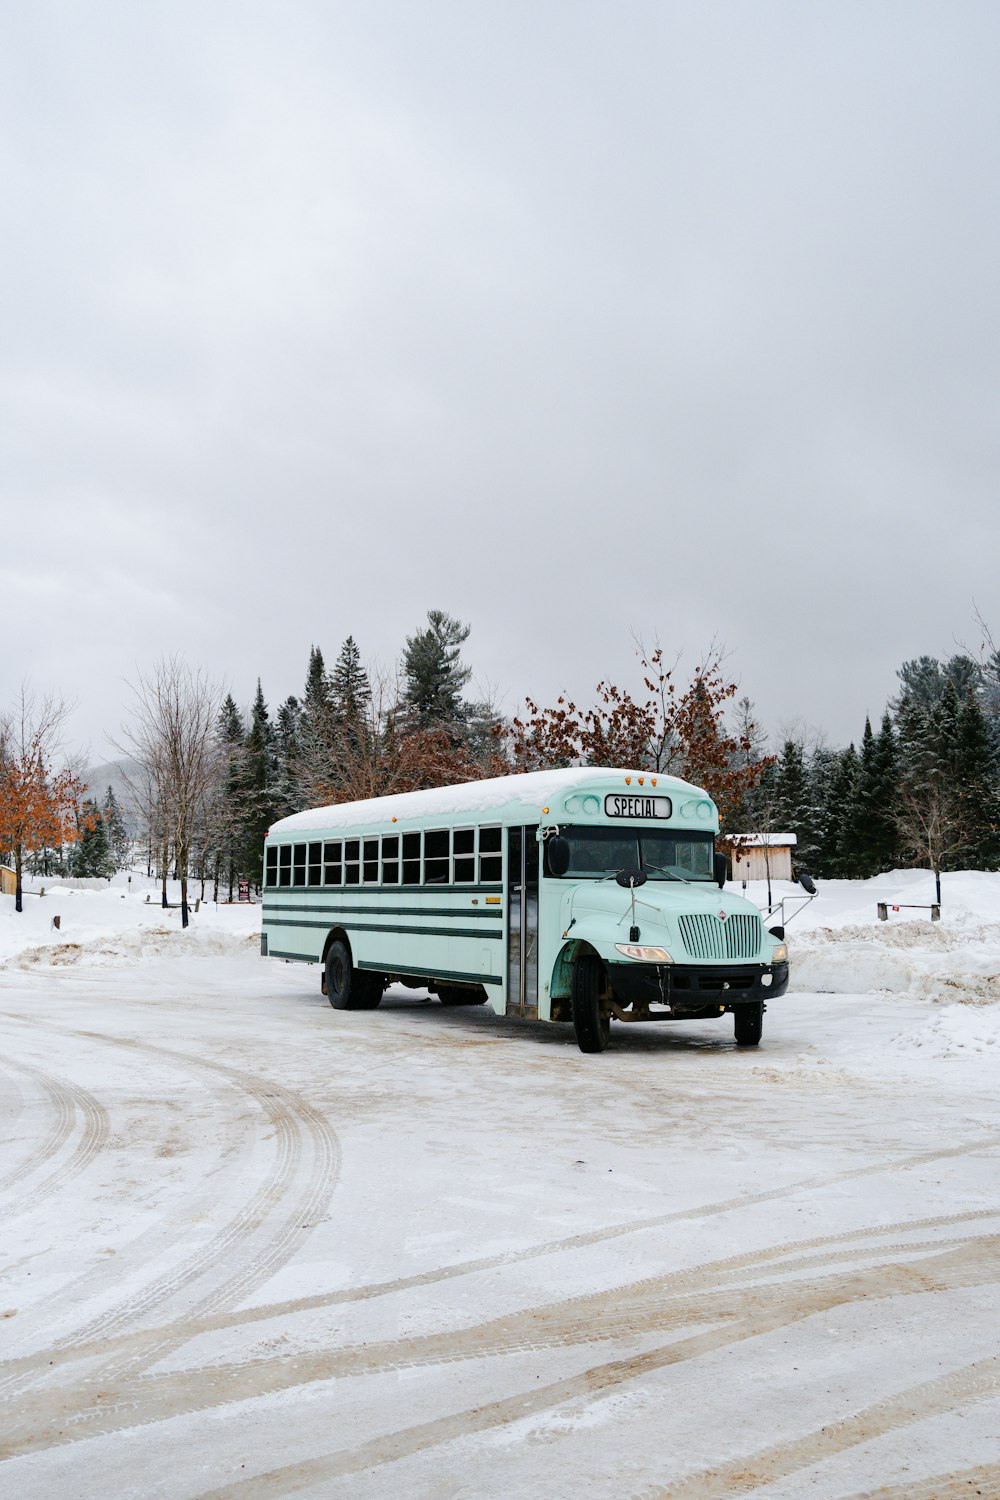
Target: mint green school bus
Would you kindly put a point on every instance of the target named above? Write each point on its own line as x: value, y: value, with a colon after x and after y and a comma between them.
x: 575, y: 896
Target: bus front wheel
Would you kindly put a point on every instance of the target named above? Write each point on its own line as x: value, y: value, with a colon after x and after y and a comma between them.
x: 592, y: 1027
x: 346, y: 987
x: 749, y: 1023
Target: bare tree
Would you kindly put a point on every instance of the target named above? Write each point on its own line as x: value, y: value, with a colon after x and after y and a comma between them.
x: 932, y: 824
x: 171, y: 737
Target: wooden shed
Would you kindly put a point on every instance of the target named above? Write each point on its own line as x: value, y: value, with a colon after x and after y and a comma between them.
x: 8, y: 882
x: 756, y: 854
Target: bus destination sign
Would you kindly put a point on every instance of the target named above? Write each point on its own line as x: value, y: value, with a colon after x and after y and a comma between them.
x: 647, y: 808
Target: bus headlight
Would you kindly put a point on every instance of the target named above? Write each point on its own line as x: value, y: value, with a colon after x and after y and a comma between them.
x: 646, y: 955
x: 780, y: 954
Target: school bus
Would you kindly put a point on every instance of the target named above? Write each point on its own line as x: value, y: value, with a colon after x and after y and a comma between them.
x: 580, y: 896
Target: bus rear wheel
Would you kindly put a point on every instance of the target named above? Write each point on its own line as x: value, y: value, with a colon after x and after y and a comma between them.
x: 749, y: 1023
x: 348, y: 988
x: 592, y: 1027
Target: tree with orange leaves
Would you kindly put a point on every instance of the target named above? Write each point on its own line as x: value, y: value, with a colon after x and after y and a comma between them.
x: 38, y: 805
x: 680, y: 732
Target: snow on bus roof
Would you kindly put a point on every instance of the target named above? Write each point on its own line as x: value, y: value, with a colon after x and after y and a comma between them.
x: 531, y: 787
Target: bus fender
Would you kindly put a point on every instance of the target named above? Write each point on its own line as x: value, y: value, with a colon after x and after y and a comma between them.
x: 560, y: 985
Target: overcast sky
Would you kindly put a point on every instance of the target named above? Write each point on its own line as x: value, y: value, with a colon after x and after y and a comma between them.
x: 575, y: 320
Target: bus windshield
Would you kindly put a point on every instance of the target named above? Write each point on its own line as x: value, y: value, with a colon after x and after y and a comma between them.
x: 663, y: 854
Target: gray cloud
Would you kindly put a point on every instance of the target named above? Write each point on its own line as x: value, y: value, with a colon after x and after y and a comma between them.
x: 572, y: 319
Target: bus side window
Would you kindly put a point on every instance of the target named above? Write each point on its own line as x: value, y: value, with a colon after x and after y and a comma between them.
x: 285, y: 864
x: 299, y: 864
x: 271, y: 865
x: 411, y: 859
x: 352, y: 862
x: 315, y: 864
x: 490, y: 856
x: 390, y: 859
x: 465, y: 856
x: 437, y: 856
x: 369, y: 872
x: 332, y: 872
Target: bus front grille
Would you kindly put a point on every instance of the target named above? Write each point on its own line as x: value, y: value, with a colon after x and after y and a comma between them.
x: 739, y: 936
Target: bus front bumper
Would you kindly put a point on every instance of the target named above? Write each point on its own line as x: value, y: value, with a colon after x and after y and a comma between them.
x: 689, y: 988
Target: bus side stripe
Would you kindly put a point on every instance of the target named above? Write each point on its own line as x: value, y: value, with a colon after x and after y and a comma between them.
x: 469, y: 932
x: 493, y: 912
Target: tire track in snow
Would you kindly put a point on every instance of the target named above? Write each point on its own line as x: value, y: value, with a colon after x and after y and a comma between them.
x: 963, y: 1485
x: 61, y: 1120
x: 917, y: 1403
x: 730, y: 1267
x: 295, y: 1122
x: 652, y: 1306
x: 70, y: 1103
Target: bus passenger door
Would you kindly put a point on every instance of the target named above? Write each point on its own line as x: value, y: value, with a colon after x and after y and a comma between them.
x: 522, y: 922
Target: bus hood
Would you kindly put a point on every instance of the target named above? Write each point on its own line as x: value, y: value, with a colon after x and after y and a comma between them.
x: 692, y: 921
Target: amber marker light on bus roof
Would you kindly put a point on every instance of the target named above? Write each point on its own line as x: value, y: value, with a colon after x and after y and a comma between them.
x: 544, y: 809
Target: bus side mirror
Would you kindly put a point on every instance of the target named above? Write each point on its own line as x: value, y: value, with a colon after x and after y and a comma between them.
x: 557, y: 855
x: 807, y: 883
x: 720, y: 866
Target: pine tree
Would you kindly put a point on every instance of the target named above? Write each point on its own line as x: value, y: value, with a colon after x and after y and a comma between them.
x: 793, y: 803
x: 977, y: 788
x: 880, y: 800
x: 287, y: 796
x: 434, y: 673
x: 822, y: 766
x: 315, y: 756
x: 259, y: 777
x: 91, y: 856
x: 351, y: 694
x: 350, y: 688
x: 119, y: 839
x: 231, y: 810
x: 842, y: 856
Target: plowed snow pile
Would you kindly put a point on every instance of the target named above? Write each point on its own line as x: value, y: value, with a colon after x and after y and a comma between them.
x: 114, y: 924
x: 838, y: 945
x: 958, y: 964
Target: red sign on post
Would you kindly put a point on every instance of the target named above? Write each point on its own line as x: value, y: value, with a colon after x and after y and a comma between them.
x: 244, y: 890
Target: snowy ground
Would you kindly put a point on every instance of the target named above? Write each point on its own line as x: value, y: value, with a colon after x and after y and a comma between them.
x: 253, y: 1247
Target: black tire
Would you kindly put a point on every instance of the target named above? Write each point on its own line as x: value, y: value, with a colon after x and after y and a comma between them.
x: 348, y: 988
x: 592, y: 1027
x: 749, y: 1023
x: 455, y: 994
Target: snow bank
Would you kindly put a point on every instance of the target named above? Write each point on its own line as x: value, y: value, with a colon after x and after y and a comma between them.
x: 115, y: 924
x: 838, y: 945
x: 927, y: 961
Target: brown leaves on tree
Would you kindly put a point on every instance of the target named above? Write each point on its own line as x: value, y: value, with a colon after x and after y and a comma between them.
x: 664, y: 729
x: 38, y: 805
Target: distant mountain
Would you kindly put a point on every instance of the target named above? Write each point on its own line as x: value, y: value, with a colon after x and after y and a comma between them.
x: 114, y: 774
